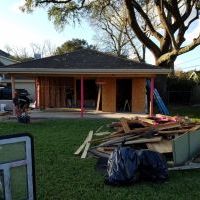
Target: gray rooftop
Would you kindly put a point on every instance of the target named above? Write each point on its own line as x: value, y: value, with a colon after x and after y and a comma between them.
x: 83, y: 60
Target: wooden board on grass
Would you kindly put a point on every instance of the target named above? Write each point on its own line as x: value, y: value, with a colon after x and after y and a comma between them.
x: 78, y: 151
x: 87, y: 146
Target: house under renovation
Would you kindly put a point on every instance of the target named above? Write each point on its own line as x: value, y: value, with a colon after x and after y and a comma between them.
x: 88, y: 79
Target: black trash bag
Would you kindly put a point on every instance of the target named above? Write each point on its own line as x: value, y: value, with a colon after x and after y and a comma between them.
x: 24, y: 119
x: 153, y: 166
x: 122, y: 167
x: 101, y: 165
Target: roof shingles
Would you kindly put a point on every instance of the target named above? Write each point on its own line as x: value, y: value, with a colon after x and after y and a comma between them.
x: 84, y: 59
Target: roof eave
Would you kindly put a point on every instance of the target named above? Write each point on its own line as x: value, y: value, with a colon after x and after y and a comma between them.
x: 83, y: 71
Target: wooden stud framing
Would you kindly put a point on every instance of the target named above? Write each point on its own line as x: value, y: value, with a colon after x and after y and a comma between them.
x: 13, y: 91
x: 151, y: 96
x: 82, y: 96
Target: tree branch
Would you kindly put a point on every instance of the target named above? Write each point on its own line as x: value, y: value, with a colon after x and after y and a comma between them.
x: 140, y: 34
x: 173, y: 8
x: 182, y: 50
x: 193, y: 19
x: 134, y: 47
x: 147, y: 20
x: 53, y: 1
x: 165, y: 23
x: 110, y: 32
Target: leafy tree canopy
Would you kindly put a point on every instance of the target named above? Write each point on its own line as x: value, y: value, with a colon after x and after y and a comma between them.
x: 71, y: 45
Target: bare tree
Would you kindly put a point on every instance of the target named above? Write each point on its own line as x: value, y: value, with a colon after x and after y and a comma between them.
x: 24, y: 54
x: 19, y: 54
x: 114, y: 32
x: 45, y: 49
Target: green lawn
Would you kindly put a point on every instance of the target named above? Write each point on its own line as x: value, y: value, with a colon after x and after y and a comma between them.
x: 61, y: 175
x: 190, y: 111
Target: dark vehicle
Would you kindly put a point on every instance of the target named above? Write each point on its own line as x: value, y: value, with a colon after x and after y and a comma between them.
x: 22, y: 92
x: 6, y: 93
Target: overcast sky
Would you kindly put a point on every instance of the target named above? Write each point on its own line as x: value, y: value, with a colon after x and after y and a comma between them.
x: 19, y: 30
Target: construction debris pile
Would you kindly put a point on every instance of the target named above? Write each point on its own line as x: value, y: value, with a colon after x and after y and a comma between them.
x: 155, y: 133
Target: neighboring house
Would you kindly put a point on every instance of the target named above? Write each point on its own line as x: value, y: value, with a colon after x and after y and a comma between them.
x: 195, y: 95
x: 83, y: 76
x: 5, y: 60
x: 21, y: 82
x: 195, y: 75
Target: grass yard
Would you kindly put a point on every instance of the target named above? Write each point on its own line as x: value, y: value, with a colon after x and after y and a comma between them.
x: 61, y: 175
x: 190, y: 111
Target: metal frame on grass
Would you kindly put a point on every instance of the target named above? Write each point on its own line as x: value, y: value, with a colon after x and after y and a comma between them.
x: 28, y: 162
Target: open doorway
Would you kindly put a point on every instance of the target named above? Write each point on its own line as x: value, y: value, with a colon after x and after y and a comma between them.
x: 124, y: 95
x: 90, y: 93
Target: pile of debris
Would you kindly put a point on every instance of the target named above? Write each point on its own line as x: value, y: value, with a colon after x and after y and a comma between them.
x: 156, y: 133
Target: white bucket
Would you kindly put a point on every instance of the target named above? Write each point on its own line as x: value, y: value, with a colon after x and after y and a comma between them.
x: 3, y: 107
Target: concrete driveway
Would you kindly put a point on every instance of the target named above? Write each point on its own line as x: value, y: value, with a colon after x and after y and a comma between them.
x: 38, y: 114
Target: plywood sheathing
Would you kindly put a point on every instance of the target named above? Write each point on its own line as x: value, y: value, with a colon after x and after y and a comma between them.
x: 47, y: 91
x: 138, y: 95
x: 109, y: 95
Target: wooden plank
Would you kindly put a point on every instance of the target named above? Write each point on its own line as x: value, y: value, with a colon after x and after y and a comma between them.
x: 102, y: 133
x: 144, y: 140
x: 164, y: 146
x: 137, y: 121
x: 105, y: 150
x: 97, y: 131
x: 141, y: 131
x: 13, y: 93
x: 87, y: 146
x: 98, y: 97
x: 165, y: 118
x: 148, y: 121
x: 173, y: 131
x: 63, y: 93
x: 47, y: 102
x: 167, y: 126
x: 125, y: 125
x: 195, y: 128
x: 78, y: 151
x: 59, y: 93
x: 75, y: 92
x: 42, y: 105
x: 54, y: 93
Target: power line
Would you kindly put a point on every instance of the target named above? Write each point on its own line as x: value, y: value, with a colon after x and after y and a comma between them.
x: 191, y: 66
x: 188, y: 61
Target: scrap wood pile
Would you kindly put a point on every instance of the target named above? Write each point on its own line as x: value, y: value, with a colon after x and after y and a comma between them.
x: 154, y: 133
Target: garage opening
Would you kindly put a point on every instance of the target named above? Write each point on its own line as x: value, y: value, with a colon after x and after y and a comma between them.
x: 124, y: 95
x: 90, y: 93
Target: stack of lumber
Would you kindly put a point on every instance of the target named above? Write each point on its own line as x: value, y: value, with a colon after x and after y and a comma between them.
x: 154, y: 133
